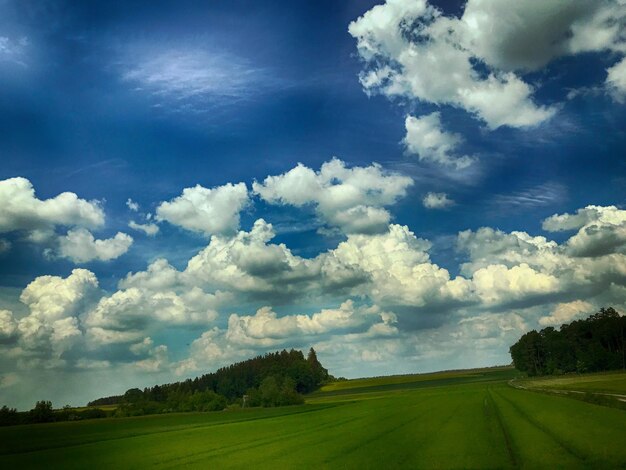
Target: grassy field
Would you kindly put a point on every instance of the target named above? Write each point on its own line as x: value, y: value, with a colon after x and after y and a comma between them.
x: 465, y: 419
x: 606, y: 382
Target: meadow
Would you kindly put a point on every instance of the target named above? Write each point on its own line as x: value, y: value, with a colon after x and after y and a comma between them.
x: 462, y: 419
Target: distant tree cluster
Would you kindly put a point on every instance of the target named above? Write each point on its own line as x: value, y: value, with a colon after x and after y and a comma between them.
x: 44, y: 413
x: 112, y: 400
x: 273, y: 379
x: 590, y: 345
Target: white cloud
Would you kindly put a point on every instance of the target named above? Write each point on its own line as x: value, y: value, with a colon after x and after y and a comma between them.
x: 566, y: 312
x: 411, y: 49
x: 497, y: 283
x: 248, y: 263
x: 210, y: 351
x: 351, y: 199
x: 437, y: 201
x: 397, y: 268
x: 601, y: 230
x: 54, y: 304
x: 54, y: 298
x: 487, y: 332
x: 512, y: 35
x: 132, y: 205
x: 8, y: 325
x: 517, y: 267
x: 20, y: 209
x: 425, y: 137
x: 80, y: 246
x: 149, y: 229
x: 606, y: 215
x: 159, y: 276
x: 616, y: 80
x: 127, y: 314
x: 488, y: 246
x: 477, y: 61
x: 265, y: 328
x: 208, y: 211
x: 157, y: 360
x: 391, y: 268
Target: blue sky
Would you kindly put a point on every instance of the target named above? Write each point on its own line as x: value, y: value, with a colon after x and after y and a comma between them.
x: 406, y: 186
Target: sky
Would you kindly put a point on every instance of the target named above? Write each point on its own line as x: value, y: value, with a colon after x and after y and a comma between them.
x: 405, y: 186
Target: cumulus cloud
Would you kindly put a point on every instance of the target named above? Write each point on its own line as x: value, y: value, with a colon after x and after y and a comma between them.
x: 127, y: 314
x: 601, y: 230
x: 479, y: 61
x: 487, y: 246
x: 517, y: 267
x: 487, y: 331
x: 8, y: 326
x: 149, y: 229
x: 267, y: 329
x: 54, y: 304
x: 20, y: 209
x: 585, y: 216
x: 392, y: 268
x: 132, y: 205
x: 248, y: 263
x: 437, y: 201
x: 210, y: 351
x: 616, y: 80
x: 157, y: 360
x: 352, y: 199
x: 399, y: 269
x: 497, y: 283
x: 208, y: 211
x: 514, y: 35
x: 567, y: 312
x: 411, y: 49
x: 80, y: 246
x: 426, y: 138
x: 391, y: 292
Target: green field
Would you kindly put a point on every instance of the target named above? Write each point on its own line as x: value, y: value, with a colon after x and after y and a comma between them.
x: 606, y: 382
x: 465, y: 419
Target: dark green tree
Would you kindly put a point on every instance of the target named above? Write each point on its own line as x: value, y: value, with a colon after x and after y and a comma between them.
x: 42, y: 412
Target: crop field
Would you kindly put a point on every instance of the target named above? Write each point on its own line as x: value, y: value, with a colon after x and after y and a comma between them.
x: 605, y: 382
x: 474, y: 419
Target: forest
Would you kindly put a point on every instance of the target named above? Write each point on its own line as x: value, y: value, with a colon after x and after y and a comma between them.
x: 272, y: 379
x: 589, y: 345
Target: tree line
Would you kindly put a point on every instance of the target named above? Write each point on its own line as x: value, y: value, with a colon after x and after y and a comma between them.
x: 273, y: 379
x: 594, y: 344
x: 43, y: 412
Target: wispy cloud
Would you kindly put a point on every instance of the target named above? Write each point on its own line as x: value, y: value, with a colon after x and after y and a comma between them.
x: 538, y: 196
x: 194, y: 78
x: 13, y: 51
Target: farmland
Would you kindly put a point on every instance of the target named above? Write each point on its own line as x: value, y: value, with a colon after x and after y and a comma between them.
x: 464, y: 419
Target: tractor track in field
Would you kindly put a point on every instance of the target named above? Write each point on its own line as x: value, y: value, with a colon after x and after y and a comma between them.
x: 355, y: 447
x: 505, y: 431
x: 133, y: 435
x: 547, y: 431
x: 194, y: 457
